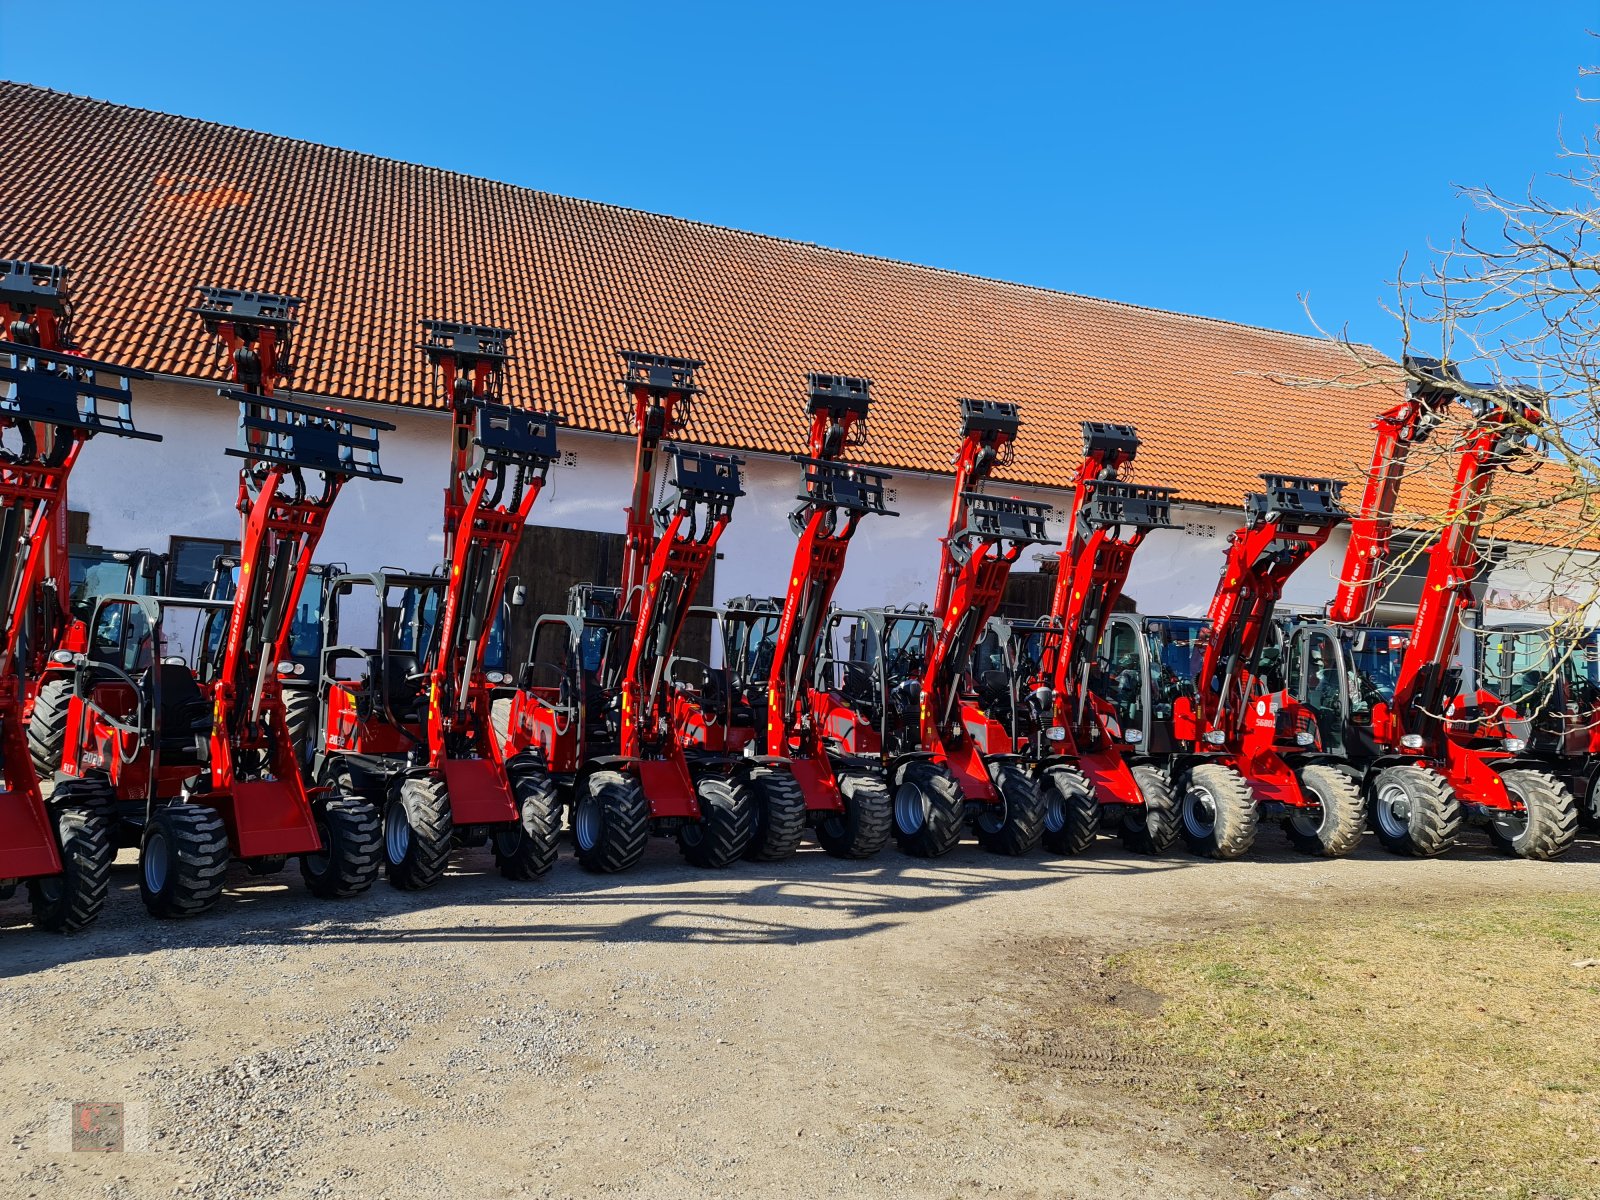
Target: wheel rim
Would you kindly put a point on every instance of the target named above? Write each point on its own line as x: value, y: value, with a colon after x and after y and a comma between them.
x: 155, y: 861
x: 1510, y: 824
x: 1591, y: 801
x: 910, y: 808
x: 586, y: 824
x: 317, y: 861
x: 396, y: 831
x: 1393, y: 810
x: 1055, y: 812
x: 508, y: 840
x: 1200, y: 811
x: 1310, y: 821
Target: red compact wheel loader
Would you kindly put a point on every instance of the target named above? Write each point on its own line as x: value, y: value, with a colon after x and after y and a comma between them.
x: 593, y: 712
x: 1426, y: 759
x: 177, y: 716
x: 773, y: 645
x: 896, y: 678
x: 53, y: 403
x: 1046, y: 689
x: 406, y: 709
x: 1205, y: 701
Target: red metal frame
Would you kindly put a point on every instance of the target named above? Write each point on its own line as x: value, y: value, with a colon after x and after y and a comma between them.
x: 1230, y: 719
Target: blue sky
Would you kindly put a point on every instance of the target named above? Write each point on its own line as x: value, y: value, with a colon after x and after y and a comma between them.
x: 1221, y: 159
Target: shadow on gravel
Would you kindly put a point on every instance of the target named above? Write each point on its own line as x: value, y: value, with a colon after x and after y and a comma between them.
x: 809, y: 899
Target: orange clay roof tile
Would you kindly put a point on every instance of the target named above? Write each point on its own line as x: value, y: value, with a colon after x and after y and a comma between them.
x: 144, y: 207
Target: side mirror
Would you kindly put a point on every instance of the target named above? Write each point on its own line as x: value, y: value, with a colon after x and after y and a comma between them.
x: 519, y: 595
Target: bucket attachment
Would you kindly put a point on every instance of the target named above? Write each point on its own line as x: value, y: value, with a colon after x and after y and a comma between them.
x: 68, y: 392
x: 1296, y: 500
x: 305, y: 437
x: 1110, y: 503
x: 838, y: 485
x: 1118, y: 443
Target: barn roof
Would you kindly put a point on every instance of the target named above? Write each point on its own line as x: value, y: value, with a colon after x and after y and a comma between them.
x: 144, y: 207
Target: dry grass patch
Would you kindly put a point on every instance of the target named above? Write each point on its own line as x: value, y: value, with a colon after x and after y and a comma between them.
x: 1446, y: 1053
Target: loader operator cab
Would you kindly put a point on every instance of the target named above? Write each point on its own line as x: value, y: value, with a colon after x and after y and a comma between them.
x: 749, y: 641
x: 146, y: 676
x: 1345, y: 676
x: 305, y: 624
x: 1549, y: 676
x: 1147, y: 664
x: 377, y: 631
x: 873, y: 662
x: 95, y: 572
x: 562, y: 675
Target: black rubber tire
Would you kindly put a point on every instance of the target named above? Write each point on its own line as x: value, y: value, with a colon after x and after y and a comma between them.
x: 1014, y: 827
x: 300, y: 713
x: 500, y: 720
x: 1414, y: 812
x: 1072, y: 813
x: 610, y: 822
x: 352, y: 848
x: 418, y: 833
x: 929, y: 809
x: 778, y: 817
x: 1219, y: 812
x: 183, y: 860
x: 1548, y: 824
x: 1155, y: 828
x: 47, y: 727
x: 863, y: 828
x: 727, y: 818
x: 529, y: 849
x: 1335, y: 830
x: 86, y: 839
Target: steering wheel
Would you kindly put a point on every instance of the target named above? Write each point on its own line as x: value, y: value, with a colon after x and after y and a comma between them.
x: 121, y: 729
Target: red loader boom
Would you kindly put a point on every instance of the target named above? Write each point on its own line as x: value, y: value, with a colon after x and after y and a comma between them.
x: 54, y: 403
x: 936, y: 782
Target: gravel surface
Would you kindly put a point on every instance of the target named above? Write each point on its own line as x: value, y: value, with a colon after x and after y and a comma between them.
x: 801, y: 1029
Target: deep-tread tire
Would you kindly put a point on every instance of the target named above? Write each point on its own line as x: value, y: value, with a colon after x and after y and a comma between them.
x: 778, y: 818
x: 86, y: 838
x: 929, y: 809
x: 300, y: 713
x: 1337, y: 830
x: 1156, y: 827
x: 1219, y: 812
x: 47, y: 727
x: 727, y: 818
x: 1072, y: 813
x: 863, y: 828
x: 352, y: 848
x: 529, y: 850
x: 610, y: 822
x: 1549, y: 823
x: 183, y: 860
x: 418, y: 833
x: 1017, y: 826
x: 1430, y: 820
x: 500, y: 720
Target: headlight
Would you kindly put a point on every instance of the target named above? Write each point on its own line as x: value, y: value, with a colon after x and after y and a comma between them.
x: 1056, y: 733
x: 299, y: 668
x: 496, y: 677
x: 62, y: 658
x: 1215, y: 737
x: 1305, y: 738
x: 1411, y: 741
x: 1515, y: 745
x: 1133, y: 736
x: 286, y: 668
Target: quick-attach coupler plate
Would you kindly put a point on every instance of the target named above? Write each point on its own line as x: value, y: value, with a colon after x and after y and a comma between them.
x: 467, y: 343
x: 998, y: 416
x: 306, y: 437
x: 705, y: 474
x: 245, y: 308
x: 837, y: 393
x: 68, y: 392
x: 28, y: 283
x: 1298, y: 500
x: 515, y: 436
x: 996, y: 518
x: 1118, y: 442
x: 660, y: 374
x: 1110, y: 502
x: 841, y: 485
